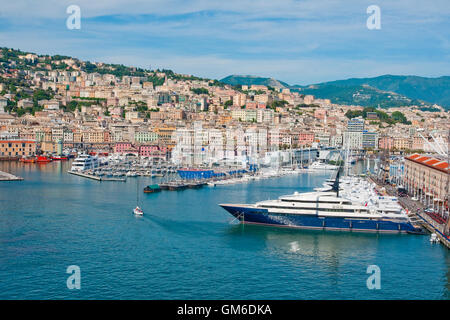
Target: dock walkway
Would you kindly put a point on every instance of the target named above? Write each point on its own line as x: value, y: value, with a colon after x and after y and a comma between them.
x: 5, y: 176
x: 416, y: 213
x: 89, y: 176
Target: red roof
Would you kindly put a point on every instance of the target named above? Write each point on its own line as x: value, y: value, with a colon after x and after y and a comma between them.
x: 429, y: 162
x: 432, y: 161
x: 442, y: 165
x: 422, y: 159
x: 414, y: 156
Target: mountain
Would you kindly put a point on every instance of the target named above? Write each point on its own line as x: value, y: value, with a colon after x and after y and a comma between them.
x: 386, y: 91
x: 249, y: 80
x: 390, y: 89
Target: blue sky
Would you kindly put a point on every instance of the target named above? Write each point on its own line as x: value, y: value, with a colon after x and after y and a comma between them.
x: 297, y: 41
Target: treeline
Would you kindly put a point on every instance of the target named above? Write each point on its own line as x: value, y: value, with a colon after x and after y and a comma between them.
x: 200, y: 90
x: 395, y: 117
x: 118, y: 70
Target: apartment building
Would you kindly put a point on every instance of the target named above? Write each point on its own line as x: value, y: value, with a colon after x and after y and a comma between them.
x: 17, y: 148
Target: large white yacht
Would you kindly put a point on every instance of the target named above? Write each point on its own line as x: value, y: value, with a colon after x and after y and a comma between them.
x: 353, y: 207
x: 84, y: 162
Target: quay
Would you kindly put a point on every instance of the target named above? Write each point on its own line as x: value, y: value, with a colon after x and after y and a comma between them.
x: 89, y: 176
x: 416, y: 212
x: 5, y: 176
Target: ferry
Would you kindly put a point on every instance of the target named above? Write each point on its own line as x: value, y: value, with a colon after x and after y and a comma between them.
x: 326, y: 211
x: 84, y: 162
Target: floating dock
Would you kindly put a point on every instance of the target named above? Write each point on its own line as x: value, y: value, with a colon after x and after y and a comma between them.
x: 5, y: 176
x: 90, y: 176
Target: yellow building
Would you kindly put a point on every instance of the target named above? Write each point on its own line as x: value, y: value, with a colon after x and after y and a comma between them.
x: 17, y: 148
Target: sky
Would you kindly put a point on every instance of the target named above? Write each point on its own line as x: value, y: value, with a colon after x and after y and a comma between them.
x: 296, y: 41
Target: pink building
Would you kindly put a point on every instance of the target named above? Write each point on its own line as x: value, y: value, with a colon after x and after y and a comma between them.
x: 386, y: 143
x: 152, y: 151
x: 125, y: 147
x: 305, y: 138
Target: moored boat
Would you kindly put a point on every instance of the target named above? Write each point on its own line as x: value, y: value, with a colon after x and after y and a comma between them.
x: 152, y: 188
x: 43, y: 159
x: 327, y: 211
x: 58, y: 158
x: 28, y: 160
x: 85, y: 162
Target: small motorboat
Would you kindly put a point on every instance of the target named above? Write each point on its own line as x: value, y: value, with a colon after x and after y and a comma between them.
x: 138, y: 211
x: 434, y: 238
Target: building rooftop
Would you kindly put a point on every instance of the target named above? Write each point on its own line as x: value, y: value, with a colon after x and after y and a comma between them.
x: 430, y: 161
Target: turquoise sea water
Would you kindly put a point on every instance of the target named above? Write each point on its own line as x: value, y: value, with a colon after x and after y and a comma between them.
x: 185, y: 247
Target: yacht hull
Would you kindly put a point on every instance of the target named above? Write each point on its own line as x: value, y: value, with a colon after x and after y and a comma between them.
x: 261, y: 216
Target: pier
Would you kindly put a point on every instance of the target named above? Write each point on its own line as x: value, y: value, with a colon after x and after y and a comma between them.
x: 5, y: 176
x: 89, y: 176
x: 417, y: 214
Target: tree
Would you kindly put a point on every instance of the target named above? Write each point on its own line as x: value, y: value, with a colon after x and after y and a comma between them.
x: 200, y: 90
x: 228, y: 103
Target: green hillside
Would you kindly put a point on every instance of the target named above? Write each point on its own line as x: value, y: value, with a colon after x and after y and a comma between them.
x: 249, y: 80
x: 431, y: 90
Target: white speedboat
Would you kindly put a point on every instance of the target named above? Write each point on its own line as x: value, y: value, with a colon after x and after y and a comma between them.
x: 434, y: 238
x: 138, y: 211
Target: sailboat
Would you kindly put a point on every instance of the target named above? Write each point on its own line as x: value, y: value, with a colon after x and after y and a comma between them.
x: 137, y: 211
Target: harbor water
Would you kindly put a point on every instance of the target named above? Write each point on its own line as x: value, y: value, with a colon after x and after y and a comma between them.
x: 187, y: 247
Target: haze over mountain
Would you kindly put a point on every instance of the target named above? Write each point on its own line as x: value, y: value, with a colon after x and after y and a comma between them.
x: 385, y: 90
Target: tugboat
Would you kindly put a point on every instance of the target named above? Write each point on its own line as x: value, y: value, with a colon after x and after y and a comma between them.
x: 43, y: 159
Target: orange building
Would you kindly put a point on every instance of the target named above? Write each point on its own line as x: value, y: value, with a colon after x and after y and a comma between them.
x: 17, y: 148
